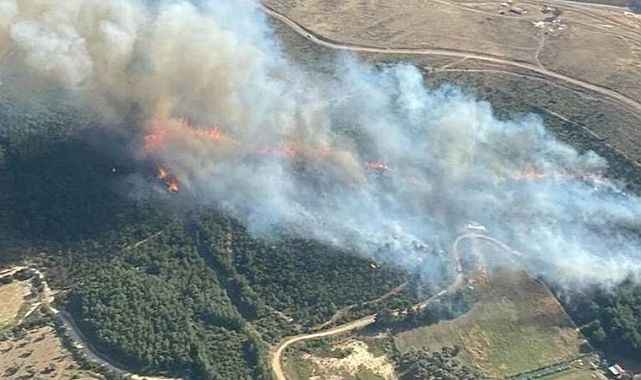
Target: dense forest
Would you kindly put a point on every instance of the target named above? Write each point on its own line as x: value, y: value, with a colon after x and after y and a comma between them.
x: 159, y: 306
x: 610, y: 318
x: 177, y: 302
x: 157, y: 286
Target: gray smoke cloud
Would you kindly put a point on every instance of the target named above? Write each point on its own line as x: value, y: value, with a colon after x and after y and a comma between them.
x: 370, y: 159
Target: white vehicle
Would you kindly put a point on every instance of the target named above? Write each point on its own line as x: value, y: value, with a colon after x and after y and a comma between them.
x: 474, y: 226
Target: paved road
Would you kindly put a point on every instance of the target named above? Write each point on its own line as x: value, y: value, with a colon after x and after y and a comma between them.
x: 337, y: 45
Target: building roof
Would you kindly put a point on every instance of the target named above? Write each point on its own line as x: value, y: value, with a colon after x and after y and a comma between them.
x: 616, y: 370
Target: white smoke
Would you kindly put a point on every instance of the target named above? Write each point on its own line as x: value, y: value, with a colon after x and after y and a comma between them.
x: 441, y: 158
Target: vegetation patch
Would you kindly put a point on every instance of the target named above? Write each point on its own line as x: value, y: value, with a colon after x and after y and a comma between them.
x: 611, y: 319
x: 516, y: 326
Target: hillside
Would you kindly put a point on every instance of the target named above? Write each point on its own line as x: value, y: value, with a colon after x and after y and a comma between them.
x: 209, y: 220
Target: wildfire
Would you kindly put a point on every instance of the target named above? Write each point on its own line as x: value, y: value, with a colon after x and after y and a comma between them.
x: 529, y: 174
x: 160, y: 131
x: 167, y: 135
x: 155, y: 140
x: 377, y: 166
x: 170, y: 181
x: 286, y: 151
x: 533, y: 174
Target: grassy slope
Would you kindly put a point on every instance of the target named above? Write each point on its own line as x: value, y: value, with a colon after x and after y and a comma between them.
x: 517, y: 325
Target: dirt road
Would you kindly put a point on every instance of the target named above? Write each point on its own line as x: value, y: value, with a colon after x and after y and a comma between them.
x: 458, y: 282
x: 47, y: 297
x: 346, y: 309
x: 278, y: 353
x: 337, y: 45
x: 368, y: 320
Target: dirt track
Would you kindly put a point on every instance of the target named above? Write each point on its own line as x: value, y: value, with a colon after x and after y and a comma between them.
x: 368, y: 320
x: 337, y: 45
x: 458, y: 282
x: 278, y: 353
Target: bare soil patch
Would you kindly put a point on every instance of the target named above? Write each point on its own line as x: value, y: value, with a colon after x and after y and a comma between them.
x: 39, y: 353
x: 346, y: 358
x: 12, y: 300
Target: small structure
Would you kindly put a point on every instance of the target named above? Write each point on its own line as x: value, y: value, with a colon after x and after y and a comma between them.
x: 518, y: 11
x: 475, y: 227
x: 616, y: 371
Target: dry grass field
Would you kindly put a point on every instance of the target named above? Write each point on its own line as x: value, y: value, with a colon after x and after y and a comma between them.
x: 34, y: 353
x: 579, y: 117
x: 416, y: 24
x: 594, y: 44
x: 39, y: 354
x: 516, y: 326
x: 12, y: 301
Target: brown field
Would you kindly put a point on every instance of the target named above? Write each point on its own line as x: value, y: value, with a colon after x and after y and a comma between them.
x: 598, y: 45
x: 583, y: 119
x: 39, y: 354
x: 516, y: 326
x: 12, y: 300
x: 595, y: 45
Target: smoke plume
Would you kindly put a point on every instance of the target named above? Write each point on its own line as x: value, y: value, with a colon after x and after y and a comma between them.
x: 370, y: 159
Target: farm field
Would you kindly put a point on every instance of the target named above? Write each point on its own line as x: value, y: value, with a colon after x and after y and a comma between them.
x: 516, y: 326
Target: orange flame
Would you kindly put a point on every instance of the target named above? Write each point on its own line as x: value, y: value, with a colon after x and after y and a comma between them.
x: 173, y: 187
x: 377, y: 166
x: 533, y: 174
x: 282, y: 152
x: 529, y: 174
x: 170, y: 181
x: 160, y: 131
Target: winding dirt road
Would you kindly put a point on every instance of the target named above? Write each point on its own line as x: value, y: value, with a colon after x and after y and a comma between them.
x: 337, y: 45
x: 458, y: 282
x: 278, y: 353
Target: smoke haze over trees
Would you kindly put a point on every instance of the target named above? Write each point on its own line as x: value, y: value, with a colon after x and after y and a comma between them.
x: 288, y: 149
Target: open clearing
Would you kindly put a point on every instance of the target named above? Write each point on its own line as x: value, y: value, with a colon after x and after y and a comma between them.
x: 516, y: 326
x: 12, y: 300
x: 39, y: 353
x: 347, y: 358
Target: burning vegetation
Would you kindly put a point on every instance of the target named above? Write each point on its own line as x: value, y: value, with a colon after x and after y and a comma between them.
x: 170, y: 181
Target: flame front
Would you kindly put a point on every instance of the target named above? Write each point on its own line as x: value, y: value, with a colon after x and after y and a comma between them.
x: 533, y: 174
x: 170, y: 181
x: 377, y: 166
